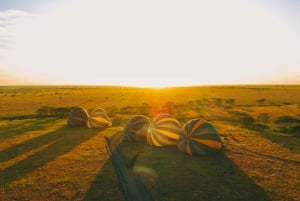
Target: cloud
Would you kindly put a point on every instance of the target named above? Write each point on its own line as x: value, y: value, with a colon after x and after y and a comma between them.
x: 133, y: 42
x: 6, y: 19
x: 11, y: 14
x: 9, y: 19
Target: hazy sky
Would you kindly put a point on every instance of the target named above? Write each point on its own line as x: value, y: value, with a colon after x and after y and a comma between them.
x: 150, y: 43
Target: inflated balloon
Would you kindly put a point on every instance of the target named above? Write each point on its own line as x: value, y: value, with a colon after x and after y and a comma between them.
x: 78, y: 117
x: 98, y: 119
x: 199, y: 138
x: 165, y: 130
x: 137, y: 128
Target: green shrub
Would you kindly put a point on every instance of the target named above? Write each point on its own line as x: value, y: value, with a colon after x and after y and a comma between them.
x: 47, y: 111
x: 286, y: 120
x: 289, y: 125
x: 295, y: 130
x: 244, y: 118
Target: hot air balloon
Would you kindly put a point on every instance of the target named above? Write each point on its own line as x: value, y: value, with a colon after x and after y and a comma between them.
x: 78, y: 117
x: 98, y: 119
x: 136, y: 129
x: 199, y: 138
x: 165, y: 130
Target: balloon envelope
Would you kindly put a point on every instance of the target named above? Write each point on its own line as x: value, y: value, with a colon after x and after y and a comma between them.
x: 199, y: 138
x: 98, y: 119
x: 137, y: 128
x: 78, y: 117
x: 165, y: 130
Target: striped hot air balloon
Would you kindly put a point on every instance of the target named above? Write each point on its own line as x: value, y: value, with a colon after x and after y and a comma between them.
x: 98, y: 119
x: 199, y: 138
x: 78, y: 117
x: 137, y: 128
x: 165, y: 130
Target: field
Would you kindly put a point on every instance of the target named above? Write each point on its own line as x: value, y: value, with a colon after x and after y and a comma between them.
x: 41, y: 158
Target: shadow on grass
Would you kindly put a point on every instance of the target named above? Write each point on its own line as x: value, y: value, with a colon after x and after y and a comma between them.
x: 19, y: 127
x: 248, y: 152
x: 288, y: 141
x: 52, y: 145
x: 180, y: 177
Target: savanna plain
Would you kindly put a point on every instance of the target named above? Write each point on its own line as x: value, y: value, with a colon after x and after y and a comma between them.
x: 41, y: 158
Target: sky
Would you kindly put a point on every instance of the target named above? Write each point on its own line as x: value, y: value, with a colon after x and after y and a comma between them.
x: 149, y: 43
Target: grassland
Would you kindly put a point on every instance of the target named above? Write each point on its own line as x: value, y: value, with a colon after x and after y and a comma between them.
x: 43, y: 159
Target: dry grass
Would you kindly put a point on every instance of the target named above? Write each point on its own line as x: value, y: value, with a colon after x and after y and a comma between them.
x: 43, y: 159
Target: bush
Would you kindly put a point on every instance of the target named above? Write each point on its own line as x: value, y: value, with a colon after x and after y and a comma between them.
x: 244, y: 119
x: 295, y: 130
x: 260, y: 127
x: 247, y: 120
x: 288, y: 124
x: 61, y: 111
x: 286, y: 120
x: 47, y: 111
x: 44, y: 111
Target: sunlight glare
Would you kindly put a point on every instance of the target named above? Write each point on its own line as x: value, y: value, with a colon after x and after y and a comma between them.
x: 152, y: 44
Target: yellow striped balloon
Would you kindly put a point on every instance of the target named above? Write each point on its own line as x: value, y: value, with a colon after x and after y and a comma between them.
x: 165, y: 130
x: 78, y: 117
x: 137, y: 128
x: 199, y: 138
x: 98, y: 119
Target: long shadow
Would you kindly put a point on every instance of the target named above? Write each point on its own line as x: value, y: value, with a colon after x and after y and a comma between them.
x: 172, y: 175
x: 17, y: 128
x: 288, y: 141
x: 254, y: 153
x: 31, y: 144
x: 56, y: 144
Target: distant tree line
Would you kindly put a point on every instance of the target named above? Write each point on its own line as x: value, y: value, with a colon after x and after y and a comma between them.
x: 43, y: 112
x: 47, y: 111
x: 283, y: 124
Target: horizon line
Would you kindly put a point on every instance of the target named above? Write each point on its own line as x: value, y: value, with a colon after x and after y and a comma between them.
x: 153, y: 87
